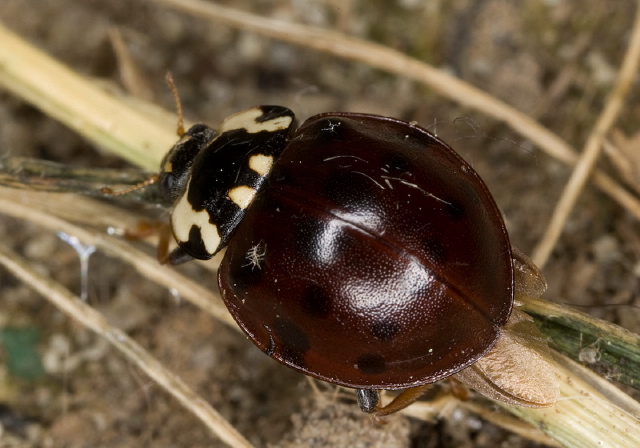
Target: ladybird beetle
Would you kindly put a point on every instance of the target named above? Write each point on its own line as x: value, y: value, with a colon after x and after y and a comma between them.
x: 360, y: 250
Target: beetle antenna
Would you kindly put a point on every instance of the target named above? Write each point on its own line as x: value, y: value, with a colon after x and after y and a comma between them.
x: 176, y: 97
x: 145, y: 183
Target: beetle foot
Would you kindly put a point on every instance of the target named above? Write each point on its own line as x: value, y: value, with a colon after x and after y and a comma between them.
x: 404, y: 399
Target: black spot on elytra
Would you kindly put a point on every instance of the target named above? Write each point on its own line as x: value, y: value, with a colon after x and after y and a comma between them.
x: 292, y: 344
x: 434, y: 250
x: 455, y: 209
x: 316, y: 301
x: 385, y: 329
x: 372, y: 363
x: 354, y: 190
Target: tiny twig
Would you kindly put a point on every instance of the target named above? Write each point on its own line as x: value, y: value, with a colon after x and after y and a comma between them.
x: 35, y: 209
x: 107, y: 121
x: 43, y: 175
x: 573, y: 410
x: 584, y: 408
x: 92, y: 319
x: 570, y: 331
x: 130, y: 73
x: 392, y: 61
x: 592, y: 149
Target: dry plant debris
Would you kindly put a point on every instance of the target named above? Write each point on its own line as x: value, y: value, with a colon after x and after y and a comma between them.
x: 556, y: 54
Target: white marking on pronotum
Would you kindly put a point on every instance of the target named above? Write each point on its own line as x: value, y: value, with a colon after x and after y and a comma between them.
x: 184, y: 217
x: 246, y: 119
x: 261, y: 164
x: 242, y: 195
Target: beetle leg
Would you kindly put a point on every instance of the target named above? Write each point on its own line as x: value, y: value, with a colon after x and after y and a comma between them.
x: 177, y: 256
x: 162, y: 252
x: 530, y: 283
x: 143, y: 230
x: 404, y: 399
x: 459, y: 389
x: 368, y: 399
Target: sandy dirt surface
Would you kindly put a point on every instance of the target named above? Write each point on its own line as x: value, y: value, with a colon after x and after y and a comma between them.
x: 555, y: 60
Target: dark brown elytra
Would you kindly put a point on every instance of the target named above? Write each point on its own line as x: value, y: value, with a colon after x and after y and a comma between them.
x: 363, y: 251
x: 385, y: 262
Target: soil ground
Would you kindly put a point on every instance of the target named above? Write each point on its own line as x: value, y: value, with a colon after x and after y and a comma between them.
x: 555, y: 60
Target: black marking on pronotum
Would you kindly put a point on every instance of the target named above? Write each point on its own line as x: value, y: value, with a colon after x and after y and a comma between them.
x: 176, y: 164
x: 227, y: 172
